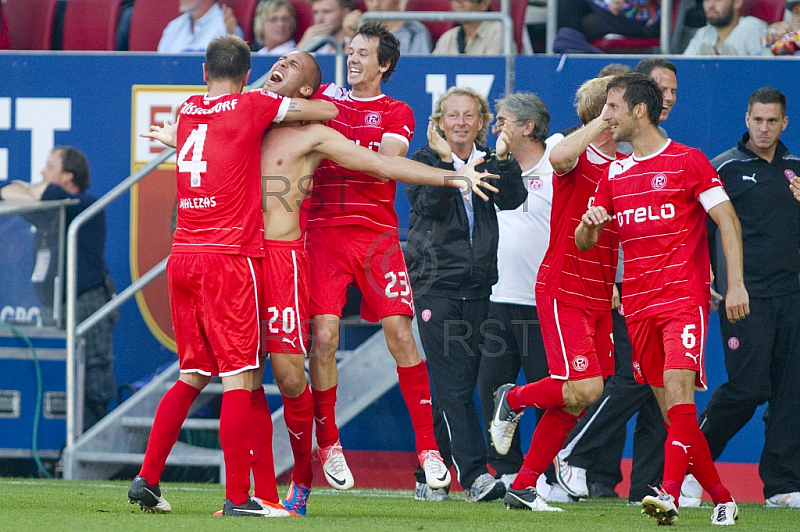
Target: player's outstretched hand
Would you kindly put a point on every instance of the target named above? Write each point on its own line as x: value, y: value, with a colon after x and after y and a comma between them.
x: 737, y: 302
x: 470, y: 178
x: 166, y: 134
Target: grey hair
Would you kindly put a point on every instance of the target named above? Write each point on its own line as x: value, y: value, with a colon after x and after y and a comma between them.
x: 527, y: 106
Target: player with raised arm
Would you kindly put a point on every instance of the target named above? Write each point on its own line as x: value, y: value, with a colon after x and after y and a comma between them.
x: 353, y: 237
x: 219, y: 229
x: 289, y: 156
x: 659, y: 197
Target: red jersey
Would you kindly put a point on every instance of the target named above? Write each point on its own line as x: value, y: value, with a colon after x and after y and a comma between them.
x: 218, y: 172
x: 343, y: 197
x: 580, y: 278
x: 662, y: 226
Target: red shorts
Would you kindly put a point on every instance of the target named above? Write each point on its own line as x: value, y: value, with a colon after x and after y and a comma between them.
x: 284, y: 304
x: 578, y: 341
x: 341, y: 255
x: 215, y: 313
x: 673, y: 341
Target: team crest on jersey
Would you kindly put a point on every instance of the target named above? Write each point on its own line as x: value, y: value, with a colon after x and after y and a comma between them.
x: 426, y: 314
x: 373, y: 119
x: 535, y: 184
x: 637, y: 368
x: 659, y: 181
x: 580, y: 363
x: 733, y: 343
x: 789, y: 174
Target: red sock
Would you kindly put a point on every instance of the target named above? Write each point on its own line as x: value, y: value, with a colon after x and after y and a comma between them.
x: 263, y: 464
x: 416, y: 389
x: 549, y: 437
x: 704, y: 470
x: 170, y: 415
x: 545, y: 393
x: 234, y: 437
x: 679, y: 447
x: 325, y: 416
x: 298, y: 412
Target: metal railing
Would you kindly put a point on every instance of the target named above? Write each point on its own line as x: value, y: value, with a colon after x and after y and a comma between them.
x: 439, y: 16
x: 664, y: 28
x: 12, y: 207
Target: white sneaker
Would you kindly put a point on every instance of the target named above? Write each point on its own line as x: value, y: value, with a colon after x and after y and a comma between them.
x: 485, y: 488
x: 691, y: 493
x: 571, y: 479
x: 423, y: 492
x: 335, y: 467
x: 784, y: 500
x: 504, y: 421
x: 557, y: 494
x: 527, y: 499
x: 725, y: 513
x: 436, y: 473
x: 661, y: 506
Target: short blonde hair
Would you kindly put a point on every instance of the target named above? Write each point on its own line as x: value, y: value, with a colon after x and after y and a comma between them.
x: 591, y: 97
x: 264, y: 10
x: 483, y: 110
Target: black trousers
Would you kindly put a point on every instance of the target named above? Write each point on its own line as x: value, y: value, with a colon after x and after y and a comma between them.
x: 513, y: 340
x: 597, y: 441
x: 762, y: 359
x: 451, y: 338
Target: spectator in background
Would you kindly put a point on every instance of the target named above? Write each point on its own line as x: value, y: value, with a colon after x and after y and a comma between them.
x: 274, y: 26
x: 513, y: 336
x: 476, y: 38
x: 452, y: 267
x: 66, y: 176
x: 727, y: 33
x: 762, y: 353
x: 199, y: 23
x: 781, y: 35
x: 414, y: 37
x: 329, y: 19
x: 596, y: 18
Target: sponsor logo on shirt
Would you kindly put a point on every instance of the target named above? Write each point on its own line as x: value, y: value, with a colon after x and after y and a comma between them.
x: 644, y: 214
x: 750, y: 178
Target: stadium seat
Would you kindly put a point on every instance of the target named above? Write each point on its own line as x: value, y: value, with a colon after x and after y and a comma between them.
x: 5, y: 42
x: 245, y: 11
x: 90, y: 24
x: 767, y: 10
x: 305, y: 18
x: 436, y: 28
x: 518, y: 8
x: 634, y: 44
x: 148, y: 20
x: 30, y: 23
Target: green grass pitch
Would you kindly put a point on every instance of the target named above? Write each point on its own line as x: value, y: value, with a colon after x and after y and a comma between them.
x: 56, y: 505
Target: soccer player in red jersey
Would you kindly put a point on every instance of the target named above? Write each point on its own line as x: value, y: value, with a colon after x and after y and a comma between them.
x: 573, y: 294
x: 214, y: 272
x: 289, y: 154
x: 352, y: 236
x: 659, y: 197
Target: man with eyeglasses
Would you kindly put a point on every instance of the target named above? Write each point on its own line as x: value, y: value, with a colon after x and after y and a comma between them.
x: 474, y: 38
x: 512, y: 335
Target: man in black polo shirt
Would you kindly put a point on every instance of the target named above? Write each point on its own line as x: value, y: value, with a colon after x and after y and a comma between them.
x: 762, y: 353
x: 66, y: 176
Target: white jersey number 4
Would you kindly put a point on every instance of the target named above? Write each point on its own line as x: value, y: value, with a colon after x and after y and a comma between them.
x: 196, y: 165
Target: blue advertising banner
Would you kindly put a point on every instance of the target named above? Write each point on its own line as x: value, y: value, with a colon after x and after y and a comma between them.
x: 87, y: 101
